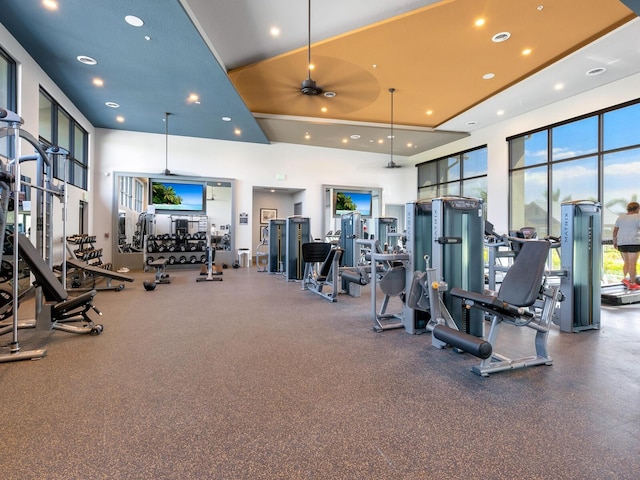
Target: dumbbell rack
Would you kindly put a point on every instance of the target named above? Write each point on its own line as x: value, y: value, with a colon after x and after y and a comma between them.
x: 176, y: 248
x: 86, y: 251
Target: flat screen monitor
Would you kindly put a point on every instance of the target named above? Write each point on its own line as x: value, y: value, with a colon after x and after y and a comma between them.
x: 346, y: 201
x: 168, y: 196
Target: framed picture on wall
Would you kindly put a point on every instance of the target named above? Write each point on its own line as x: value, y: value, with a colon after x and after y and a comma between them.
x: 267, y: 214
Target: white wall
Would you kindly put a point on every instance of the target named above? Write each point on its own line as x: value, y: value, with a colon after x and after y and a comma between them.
x: 305, y: 168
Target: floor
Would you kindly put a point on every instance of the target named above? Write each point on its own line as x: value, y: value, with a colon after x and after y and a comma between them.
x: 253, y: 378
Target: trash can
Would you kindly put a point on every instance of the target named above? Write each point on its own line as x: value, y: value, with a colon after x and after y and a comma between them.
x: 244, y: 257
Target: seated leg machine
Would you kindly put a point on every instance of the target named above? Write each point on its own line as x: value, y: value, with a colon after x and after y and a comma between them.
x: 315, y: 279
x: 523, y: 301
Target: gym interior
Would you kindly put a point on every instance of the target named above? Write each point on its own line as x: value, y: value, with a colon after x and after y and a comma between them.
x: 260, y: 328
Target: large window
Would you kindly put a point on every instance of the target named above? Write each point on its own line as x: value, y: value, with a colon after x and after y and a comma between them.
x: 461, y: 174
x: 7, y: 92
x: 595, y: 157
x: 57, y: 127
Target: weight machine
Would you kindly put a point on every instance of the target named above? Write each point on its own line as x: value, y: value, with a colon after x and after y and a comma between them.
x: 206, y: 272
x: 386, y: 229
x: 581, y: 264
x: 298, y: 233
x: 53, y: 307
x: 321, y: 269
x: 524, y: 300
x: 388, y: 270
x: 418, y: 221
x: 262, y: 250
x: 449, y: 231
x: 277, y: 245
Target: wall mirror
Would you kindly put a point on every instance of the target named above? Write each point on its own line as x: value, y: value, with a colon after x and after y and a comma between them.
x: 164, y: 205
x: 343, y: 199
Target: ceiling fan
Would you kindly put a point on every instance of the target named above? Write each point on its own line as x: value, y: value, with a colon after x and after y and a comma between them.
x: 273, y: 85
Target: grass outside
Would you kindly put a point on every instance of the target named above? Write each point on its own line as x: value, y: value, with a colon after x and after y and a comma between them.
x: 611, y: 264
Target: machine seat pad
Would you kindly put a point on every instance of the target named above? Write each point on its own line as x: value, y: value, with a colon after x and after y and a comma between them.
x: 522, y: 282
x: 315, y: 252
x: 71, y: 303
x: 490, y: 303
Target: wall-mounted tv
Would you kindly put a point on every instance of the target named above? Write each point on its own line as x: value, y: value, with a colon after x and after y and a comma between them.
x: 178, y: 196
x: 345, y: 201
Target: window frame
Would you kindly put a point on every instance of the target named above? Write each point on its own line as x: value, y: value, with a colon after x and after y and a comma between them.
x: 77, y: 162
x: 442, y: 185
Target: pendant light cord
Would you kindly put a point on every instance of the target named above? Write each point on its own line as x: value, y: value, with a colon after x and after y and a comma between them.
x: 391, y: 91
x: 166, y: 142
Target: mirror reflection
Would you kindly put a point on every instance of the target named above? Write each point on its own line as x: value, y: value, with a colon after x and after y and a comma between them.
x: 172, y: 217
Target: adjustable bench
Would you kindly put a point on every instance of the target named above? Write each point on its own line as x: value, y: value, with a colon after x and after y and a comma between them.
x: 58, y: 308
x: 97, y: 272
x: 160, y: 267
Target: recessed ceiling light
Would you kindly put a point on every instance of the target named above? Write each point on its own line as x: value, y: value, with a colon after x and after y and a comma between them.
x: 429, y: 112
x: 194, y: 98
x: 345, y: 140
x: 226, y: 119
x: 307, y: 136
x: 147, y: 38
x: 380, y: 141
x: 50, y: 4
x: 500, y: 112
x: 275, y: 32
x: 323, y: 109
x: 134, y: 21
x: 237, y: 131
x: 479, y: 22
x: 558, y: 86
x: 596, y: 71
x: 526, y: 51
x: 488, y: 76
x: 355, y: 136
x: 112, y: 104
x: 391, y: 136
x: 329, y: 94
x: 501, y: 37
x: 86, y: 60
x: 409, y: 145
x: 120, y: 119
x: 98, y: 82
x: 540, y: 8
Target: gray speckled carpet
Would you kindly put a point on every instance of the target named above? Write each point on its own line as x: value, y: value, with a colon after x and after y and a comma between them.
x: 253, y: 378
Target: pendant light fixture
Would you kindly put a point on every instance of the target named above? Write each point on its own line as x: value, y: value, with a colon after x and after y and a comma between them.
x: 391, y: 163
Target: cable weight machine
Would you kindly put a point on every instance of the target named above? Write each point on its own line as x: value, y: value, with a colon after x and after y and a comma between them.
x: 11, y: 186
